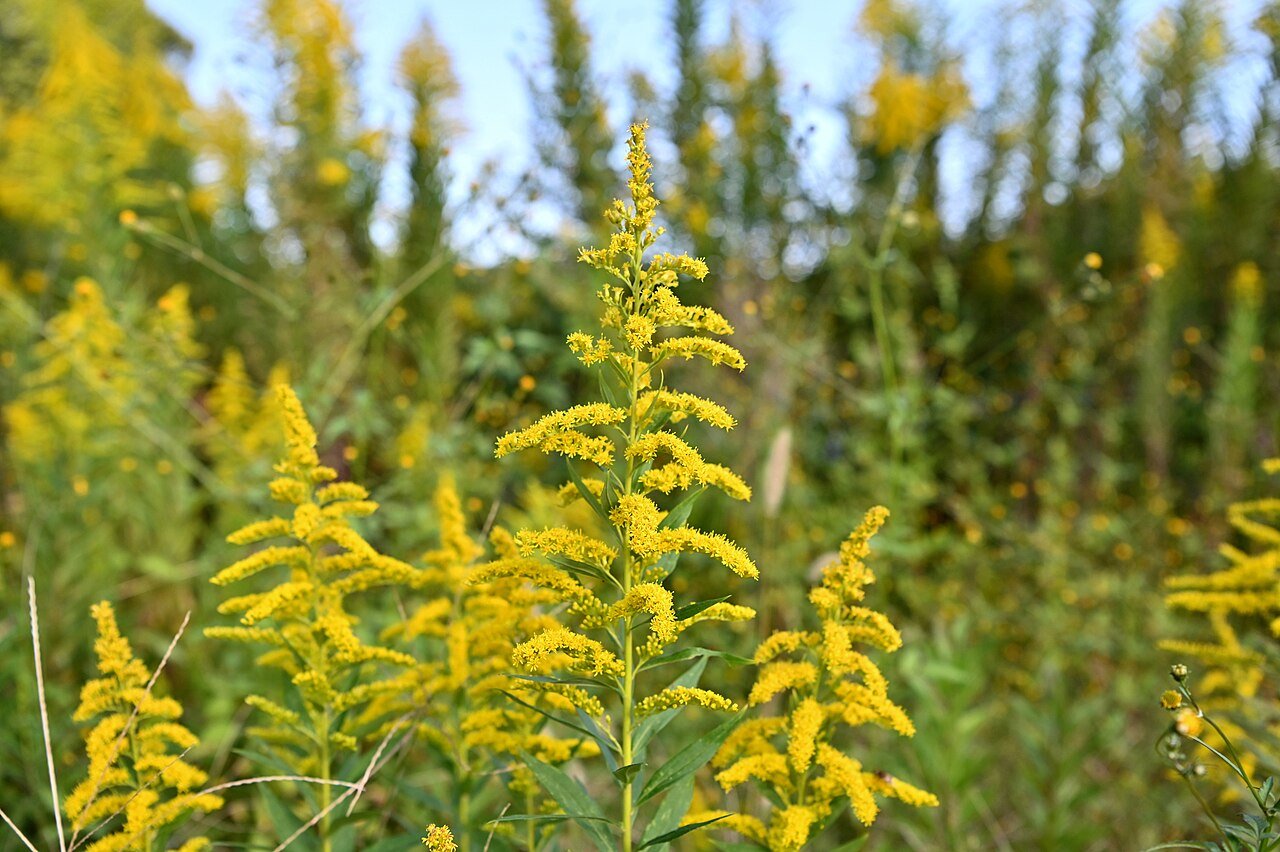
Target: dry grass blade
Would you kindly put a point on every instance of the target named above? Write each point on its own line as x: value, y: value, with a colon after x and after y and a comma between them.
x: 374, y: 765
x: 25, y: 842
x: 44, y: 712
x: 107, y: 819
x: 271, y: 779
x: 368, y: 772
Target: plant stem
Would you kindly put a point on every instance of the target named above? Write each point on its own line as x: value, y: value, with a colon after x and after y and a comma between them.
x: 464, y: 822
x: 326, y: 774
x: 628, y: 652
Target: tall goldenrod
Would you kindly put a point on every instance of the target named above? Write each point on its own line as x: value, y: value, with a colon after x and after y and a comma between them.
x: 303, y: 618
x: 824, y: 686
x: 136, y: 747
x: 621, y: 618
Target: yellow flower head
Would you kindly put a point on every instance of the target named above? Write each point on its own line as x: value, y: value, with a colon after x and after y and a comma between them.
x: 439, y: 839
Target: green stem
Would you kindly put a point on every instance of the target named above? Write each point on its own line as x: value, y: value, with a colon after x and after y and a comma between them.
x: 326, y: 774
x: 628, y: 651
x: 1208, y: 810
x: 464, y: 822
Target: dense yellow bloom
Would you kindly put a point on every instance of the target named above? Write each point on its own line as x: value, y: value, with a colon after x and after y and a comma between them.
x: 619, y: 581
x: 90, y: 135
x: 910, y: 108
x: 828, y: 684
x: 1245, y: 588
x: 135, y: 750
x: 303, y: 617
x: 439, y: 839
x: 681, y: 696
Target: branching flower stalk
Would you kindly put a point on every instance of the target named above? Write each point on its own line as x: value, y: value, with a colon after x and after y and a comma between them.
x: 826, y: 686
x: 303, y: 619
x: 616, y: 588
x: 1256, y: 832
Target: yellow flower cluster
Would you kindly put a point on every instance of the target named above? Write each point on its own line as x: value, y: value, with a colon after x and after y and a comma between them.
x: 439, y: 839
x: 1245, y: 588
x: 910, y: 108
x: 828, y: 684
x: 470, y: 619
x: 75, y: 396
x: 303, y: 618
x: 135, y: 749
x: 244, y: 424
x: 616, y: 584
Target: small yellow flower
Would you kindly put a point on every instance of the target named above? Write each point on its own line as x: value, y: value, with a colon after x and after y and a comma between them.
x: 332, y: 172
x: 8, y: 539
x: 439, y: 839
x: 1188, y: 722
x: 1093, y: 260
x: 528, y: 383
x: 1171, y: 699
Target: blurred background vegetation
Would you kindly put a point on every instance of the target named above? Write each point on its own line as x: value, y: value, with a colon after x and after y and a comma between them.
x: 1056, y: 384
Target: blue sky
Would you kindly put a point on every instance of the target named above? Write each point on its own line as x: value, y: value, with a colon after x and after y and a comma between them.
x: 489, y: 39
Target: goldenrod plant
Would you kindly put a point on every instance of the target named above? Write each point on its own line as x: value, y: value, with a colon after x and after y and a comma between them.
x: 617, y: 589
x: 1243, y: 591
x: 139, y: 786
x: 303, y: 617
x: 814, y: 686
x: 470, y: 618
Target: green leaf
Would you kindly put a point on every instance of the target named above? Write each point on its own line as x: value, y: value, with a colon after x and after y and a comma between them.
x: 680, y: 513
x: 853, y: 845
x: 694, y: 654
x: 550, y: 716
x: 682, y: 830
x: 690, y: 759
x: 585, y: 682
x: 651, y: 725
x: 605, y: 741
x: 573, y: 797
x: 592, y: 500
x: 690, y: 610
x: 673, y: 808
x: 278, y: 812
x: 584, y: 569
x: 676, y: 518
x: 535, y: 818
x: 626, y: 774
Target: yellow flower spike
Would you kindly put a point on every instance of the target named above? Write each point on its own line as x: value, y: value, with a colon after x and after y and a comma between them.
x: 1243, y: 589
x: 652, y: 599
x: 587, y: 655
x: 620, y: 576
x: 135, y: 751
x: 312, y: 560
x: 683, y: 696
x: 806, y: 723
x: 829, y: 684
